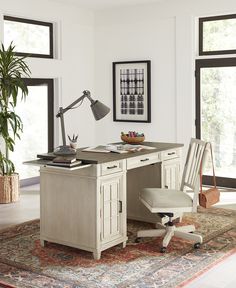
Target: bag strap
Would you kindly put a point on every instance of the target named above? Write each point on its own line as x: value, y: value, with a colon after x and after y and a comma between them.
x: 201, y: 177
x: 213, y: 169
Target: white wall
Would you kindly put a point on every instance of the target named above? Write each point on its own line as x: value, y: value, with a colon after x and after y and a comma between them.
x: 164, y: 34
x: 135, y: 40
x: 74, y: 68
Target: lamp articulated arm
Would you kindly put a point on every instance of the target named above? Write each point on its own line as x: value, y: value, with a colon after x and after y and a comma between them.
x: 62, y: 111
x: 99, y: 111
x: 86, y: 93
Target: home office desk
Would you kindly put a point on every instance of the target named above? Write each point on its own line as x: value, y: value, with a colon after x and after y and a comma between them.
x: 87, y: 206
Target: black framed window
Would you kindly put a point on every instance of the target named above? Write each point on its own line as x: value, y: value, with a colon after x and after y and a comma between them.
x: 217, y: 35
x: 215, y: 116
x: 48, y: 86
x: 37, y: 115
x: 30, y: 37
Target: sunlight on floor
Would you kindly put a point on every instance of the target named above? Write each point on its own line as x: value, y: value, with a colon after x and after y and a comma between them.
x: 24, y: 210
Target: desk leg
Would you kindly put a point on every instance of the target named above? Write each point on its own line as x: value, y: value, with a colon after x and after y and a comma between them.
x: 97, y: 255
x: 124, y: 244
x: 43, y: 242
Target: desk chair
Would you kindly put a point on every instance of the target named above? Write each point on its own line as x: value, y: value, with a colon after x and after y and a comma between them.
x: 167, y: 202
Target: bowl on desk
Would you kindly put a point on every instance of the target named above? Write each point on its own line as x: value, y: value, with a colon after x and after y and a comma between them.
x: 132, y: 140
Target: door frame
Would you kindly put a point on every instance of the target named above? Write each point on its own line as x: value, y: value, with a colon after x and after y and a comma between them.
x: 50, y: 85
x: 205, y: 63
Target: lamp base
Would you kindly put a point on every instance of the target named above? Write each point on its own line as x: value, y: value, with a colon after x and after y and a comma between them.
x: 64, y: 150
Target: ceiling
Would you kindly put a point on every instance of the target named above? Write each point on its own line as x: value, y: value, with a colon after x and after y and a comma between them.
x: 106, y: 4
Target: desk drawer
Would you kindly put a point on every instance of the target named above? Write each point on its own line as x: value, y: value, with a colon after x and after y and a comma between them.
x: 170, y: 154
x: 143, y: 160
x: 111, y: 167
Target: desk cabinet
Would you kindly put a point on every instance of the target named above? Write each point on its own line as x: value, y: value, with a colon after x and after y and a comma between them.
x: 84, y: 208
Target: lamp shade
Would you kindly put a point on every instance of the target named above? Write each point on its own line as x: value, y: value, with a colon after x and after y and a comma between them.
x: 99, y: 110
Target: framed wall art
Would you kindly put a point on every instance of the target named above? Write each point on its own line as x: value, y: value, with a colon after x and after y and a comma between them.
x: 132, y: 91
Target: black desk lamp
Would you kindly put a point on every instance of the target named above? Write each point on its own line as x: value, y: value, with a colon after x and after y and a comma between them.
x: 99, y: 111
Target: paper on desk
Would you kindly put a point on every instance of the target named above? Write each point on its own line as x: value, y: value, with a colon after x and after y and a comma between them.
x: 99, y: 149
x: 124, y: 148
x: 118, y: 148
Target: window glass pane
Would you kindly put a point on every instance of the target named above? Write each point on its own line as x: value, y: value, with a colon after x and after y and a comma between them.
x: 34, y: 139
x: 219, y: 35
x: 218, y: 121
x: 28, y: 38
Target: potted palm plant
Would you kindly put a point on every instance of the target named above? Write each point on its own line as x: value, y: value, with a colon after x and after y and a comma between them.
x: 12, y: 89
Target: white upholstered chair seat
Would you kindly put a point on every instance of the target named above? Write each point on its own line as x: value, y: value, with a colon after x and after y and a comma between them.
x: 165, y: 198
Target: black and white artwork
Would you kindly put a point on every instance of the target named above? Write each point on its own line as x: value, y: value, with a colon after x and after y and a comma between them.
x: 131, y: 91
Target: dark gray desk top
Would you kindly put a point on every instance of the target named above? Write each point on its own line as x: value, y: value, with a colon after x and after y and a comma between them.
x: 97, y: 158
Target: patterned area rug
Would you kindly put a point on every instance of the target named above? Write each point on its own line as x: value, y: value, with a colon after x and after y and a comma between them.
x: 24, y: 263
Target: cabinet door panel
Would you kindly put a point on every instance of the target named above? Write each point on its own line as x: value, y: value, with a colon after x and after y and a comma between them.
x: 115, y: 225
x: 167, y: 177
x: 114, y: 208
x: 106, y: 193
x: 106, y: 228
x: 106, y: 209
x: 110, y: 214
x: 171, y: 174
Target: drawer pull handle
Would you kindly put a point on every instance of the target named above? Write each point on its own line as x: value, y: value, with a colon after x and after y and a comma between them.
x: 143, y: 160
x: 171, y: 153
x: 120, y: 206
x: 166, y: 187
x: 112, y: 167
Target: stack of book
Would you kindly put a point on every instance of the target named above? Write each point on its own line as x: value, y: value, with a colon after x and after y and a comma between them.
x: 65, y: 161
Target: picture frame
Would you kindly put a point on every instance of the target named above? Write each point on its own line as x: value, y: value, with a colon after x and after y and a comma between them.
x: 132, y: 91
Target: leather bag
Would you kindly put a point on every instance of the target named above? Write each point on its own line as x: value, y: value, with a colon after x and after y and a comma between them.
x: 210, y: 196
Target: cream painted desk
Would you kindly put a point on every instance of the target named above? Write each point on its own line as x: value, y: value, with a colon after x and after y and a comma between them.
x: 87, y: 207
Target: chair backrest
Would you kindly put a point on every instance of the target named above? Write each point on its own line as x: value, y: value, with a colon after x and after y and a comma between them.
x: 191, y: 170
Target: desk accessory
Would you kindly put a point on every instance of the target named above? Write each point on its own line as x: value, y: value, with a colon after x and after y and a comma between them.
x: 118, y: 148
x: 63, y: 159
x: 99, y: 111
x: 64, y: 164
x: 125, y: 148
x: 210, y: 196
x: 46, y: 156
x: 96, y: 149
x: 73, y: 141
x: 132, y: 137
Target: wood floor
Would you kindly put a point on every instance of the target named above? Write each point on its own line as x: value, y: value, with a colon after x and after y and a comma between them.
x: 220, y: 276
x: 24, y: 210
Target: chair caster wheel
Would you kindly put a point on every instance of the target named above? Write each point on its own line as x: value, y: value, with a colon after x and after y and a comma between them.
x: 197, y: 245
x: 137, y: 240
x: 163, y: 249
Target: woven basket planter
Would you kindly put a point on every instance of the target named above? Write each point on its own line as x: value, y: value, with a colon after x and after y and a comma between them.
x: 9, y: 188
